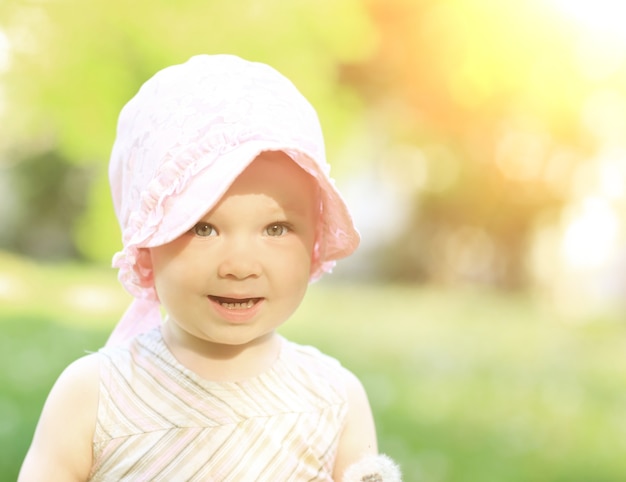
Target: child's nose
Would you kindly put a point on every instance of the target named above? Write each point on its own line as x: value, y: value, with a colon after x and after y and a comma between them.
x: 239, y: 261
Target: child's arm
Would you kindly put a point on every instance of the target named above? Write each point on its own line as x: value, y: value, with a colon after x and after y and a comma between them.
x: 359, y: 435
x: 62, y: 445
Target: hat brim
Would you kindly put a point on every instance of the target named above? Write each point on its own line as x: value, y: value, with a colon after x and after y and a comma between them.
x: 337, y: 236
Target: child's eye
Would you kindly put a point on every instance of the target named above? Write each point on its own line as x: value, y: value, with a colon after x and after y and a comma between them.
x: 276, y: 230
x: 203, y: 230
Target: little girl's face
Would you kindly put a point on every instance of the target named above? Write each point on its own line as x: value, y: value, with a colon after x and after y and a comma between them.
x: 244, y: 268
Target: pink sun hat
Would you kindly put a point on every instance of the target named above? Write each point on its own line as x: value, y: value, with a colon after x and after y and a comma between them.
x: 181, y: 142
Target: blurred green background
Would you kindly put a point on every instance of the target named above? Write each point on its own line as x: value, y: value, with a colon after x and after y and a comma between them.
x: 481, y: 146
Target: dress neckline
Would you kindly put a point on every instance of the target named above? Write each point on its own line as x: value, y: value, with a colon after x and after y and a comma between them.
x: 159, y: 346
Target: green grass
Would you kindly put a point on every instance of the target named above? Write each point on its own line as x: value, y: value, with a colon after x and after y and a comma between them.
x: 466, y: 386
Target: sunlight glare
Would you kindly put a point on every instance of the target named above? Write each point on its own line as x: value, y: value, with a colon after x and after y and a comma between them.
x: 590, y: 237
x: 613, y: 176
x: 5, y: 53
x: 603, y: 17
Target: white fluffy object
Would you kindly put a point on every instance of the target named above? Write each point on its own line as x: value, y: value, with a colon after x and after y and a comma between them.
x: 373, y: 468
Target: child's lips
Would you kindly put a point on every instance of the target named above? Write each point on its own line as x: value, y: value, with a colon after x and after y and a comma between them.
x: 239, y: 303
x: 238, y: 309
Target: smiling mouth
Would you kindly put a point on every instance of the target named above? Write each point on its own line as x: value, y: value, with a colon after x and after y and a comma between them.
x: 235, y: 303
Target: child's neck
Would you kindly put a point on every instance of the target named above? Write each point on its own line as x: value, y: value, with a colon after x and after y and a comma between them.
x: 221, y: 362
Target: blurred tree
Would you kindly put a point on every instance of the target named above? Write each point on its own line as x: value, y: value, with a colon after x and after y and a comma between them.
x: 500, y: 89
x: 48, y: 195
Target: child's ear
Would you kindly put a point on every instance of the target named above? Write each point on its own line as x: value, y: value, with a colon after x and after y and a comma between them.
x: 144, y: 267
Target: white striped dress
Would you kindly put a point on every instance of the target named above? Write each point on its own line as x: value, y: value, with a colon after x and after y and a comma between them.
x: 159, y: 421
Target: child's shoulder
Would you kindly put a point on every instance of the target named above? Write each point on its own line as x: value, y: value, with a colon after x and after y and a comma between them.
x: 310, y: 358
x: 314, y: 363
x: 61, y: 445
x: 78, y: 383
x: 310, y: 352
x: 83, y: 371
